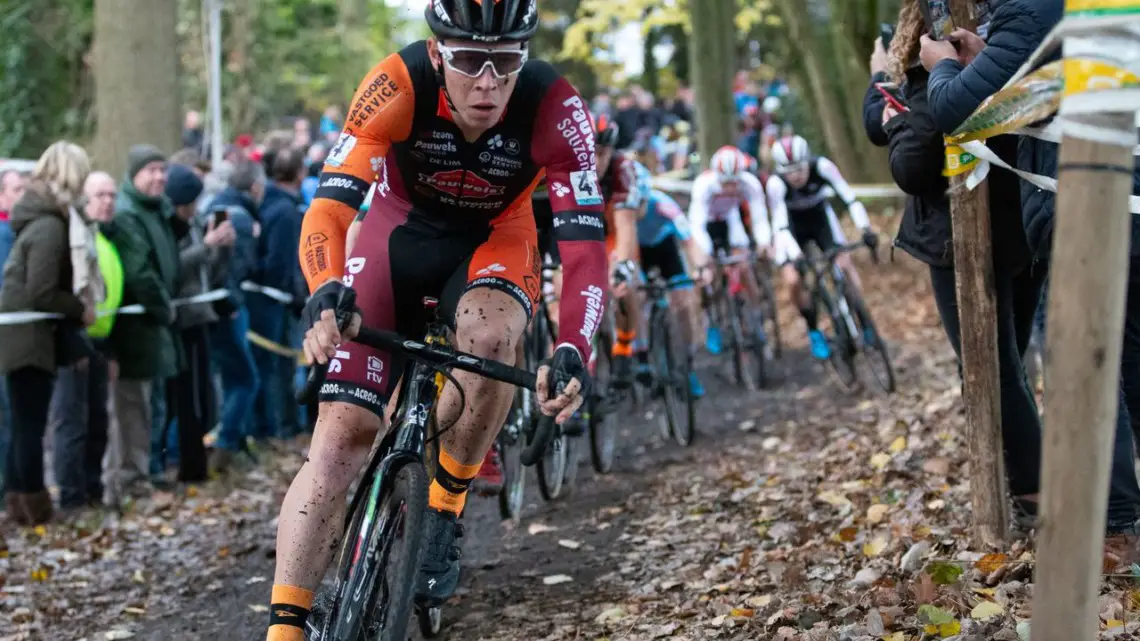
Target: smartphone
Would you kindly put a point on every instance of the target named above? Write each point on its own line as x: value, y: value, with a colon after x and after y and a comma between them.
x: 886, y: 34
x: 892, y: 94
x: 936, y: 14
x: 220, y: 216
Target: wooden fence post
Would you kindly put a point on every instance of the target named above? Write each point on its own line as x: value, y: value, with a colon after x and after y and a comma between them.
x: 977, y: 319
x: 1088, y: 277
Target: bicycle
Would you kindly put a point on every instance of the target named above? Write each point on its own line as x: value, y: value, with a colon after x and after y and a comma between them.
x: 854, y: 329
x: 670, y: 370
x: 728, y: 305
x: 382, y: 548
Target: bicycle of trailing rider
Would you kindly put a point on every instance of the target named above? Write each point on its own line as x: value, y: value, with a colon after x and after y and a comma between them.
x: 853, y: 329
x: 382, y: 549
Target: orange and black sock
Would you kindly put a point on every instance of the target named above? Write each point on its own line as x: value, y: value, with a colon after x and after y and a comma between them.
x: 288, y: 611
x: 623, y: 344
x: 448, y: 491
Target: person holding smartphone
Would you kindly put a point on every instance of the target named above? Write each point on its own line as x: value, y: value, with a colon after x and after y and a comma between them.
x: 917, y: 157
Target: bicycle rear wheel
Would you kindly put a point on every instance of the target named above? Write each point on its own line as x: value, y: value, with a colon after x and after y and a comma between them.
x: 878, y: 358
x: 771, y: 324
x: 380, y: 559
x: 842, y: 359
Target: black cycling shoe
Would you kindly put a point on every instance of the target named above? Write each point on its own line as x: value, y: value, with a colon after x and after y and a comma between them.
x: 622, y: 373
x: 439, y: 574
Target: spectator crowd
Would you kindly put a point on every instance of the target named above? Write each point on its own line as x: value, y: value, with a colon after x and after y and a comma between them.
x: 940, y: 83
x: 149, y: 324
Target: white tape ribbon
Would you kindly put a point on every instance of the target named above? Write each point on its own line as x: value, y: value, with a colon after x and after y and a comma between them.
x: 20, y: 318
x: 278, y: 295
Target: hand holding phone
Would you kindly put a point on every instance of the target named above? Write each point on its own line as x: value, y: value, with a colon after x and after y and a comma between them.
x: 892, y: 95
x: 220, y: 216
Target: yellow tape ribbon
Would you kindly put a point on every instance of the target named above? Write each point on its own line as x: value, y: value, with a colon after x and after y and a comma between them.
x: 1101, y: 7
x: 958, y: 160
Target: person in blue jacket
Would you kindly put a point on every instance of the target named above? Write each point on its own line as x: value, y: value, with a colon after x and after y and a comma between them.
x: 959, y: 81
x: 281, y: 213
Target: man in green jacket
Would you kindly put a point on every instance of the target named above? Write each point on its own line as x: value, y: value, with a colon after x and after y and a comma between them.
x: 147, y: 345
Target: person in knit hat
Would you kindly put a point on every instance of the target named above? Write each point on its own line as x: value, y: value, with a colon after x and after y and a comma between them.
x: 147, y: 347
x: 204, y: 243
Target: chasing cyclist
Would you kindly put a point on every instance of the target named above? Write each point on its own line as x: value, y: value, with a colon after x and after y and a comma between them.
x: 662, y: 235
x: 717, y: 223
x: 451, y: 218
x: 798, y: 194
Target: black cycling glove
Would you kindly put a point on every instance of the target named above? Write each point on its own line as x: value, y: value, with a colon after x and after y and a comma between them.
x: 333, y: 295
x: 567, y: 365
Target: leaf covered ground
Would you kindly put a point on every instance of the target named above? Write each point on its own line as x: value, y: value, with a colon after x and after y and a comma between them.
x: 802, y: 514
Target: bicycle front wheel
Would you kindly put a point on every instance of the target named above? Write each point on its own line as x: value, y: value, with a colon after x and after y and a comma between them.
x: 601, y: 417
x: 380, y: 559
x: 771, y: 323
x: 874, y: 347
x: 552, y: 468
x: 843, y: 349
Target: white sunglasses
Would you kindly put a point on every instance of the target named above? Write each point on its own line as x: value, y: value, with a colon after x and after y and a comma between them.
x: 472, y: 61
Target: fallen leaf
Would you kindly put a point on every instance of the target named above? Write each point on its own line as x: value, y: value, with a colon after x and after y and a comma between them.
x: 255, y: 579
x: 609, y: 615
x: 136, y: 611
x: 898, y: 445
x: 258, y: 607
x: 833, y: 498
x: 944, y: 573
x: 848, y: 534
x: 745, y: 559
x: 895, y: 636
x: 937, y: 466
x: 989, y: 563
x: 40, y: 574
x: 986, y: 610
x: 118, y: 634
x: 555, y: 579
x: 949, y: 629
x: 743, y: 612
x: 568, y: 544
x: 934, y: 615
x: 875, y: 547
x: 876, y: 512
x: 880, y: 460
x: 539, y: 528
x: 761, y: 601
x: 1113, y: 623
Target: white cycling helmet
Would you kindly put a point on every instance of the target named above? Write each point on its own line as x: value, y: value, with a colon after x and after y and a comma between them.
x: 790, y: 153
x: 728, y: 163
x: 771, y: 105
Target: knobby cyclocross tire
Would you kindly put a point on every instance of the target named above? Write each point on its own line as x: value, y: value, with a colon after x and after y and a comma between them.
x: 601, y: 420
x: 512, y: 494
x: 752, y: 322
x: 843, y: 348
x: 380, y: 557
x: 552, y: 468
x: 573, y: 461
x: 662, y: 361
x: 740, y: 343
x: 771, y: 323
x: 679, y: 370
x: 876, y: 354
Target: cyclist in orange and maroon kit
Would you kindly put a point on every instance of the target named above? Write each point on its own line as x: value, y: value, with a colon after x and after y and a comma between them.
x: 455, y: 132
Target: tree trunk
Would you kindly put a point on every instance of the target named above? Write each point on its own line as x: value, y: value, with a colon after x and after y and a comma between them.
x: 239, y: 91
x: 711, y: 47
x: 831, y: 115
x: 136, y: 71
x: 977, y: 314
x: 649, y: 78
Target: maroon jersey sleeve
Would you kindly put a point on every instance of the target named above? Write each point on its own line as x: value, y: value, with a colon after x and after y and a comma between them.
x: 564, y: 146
